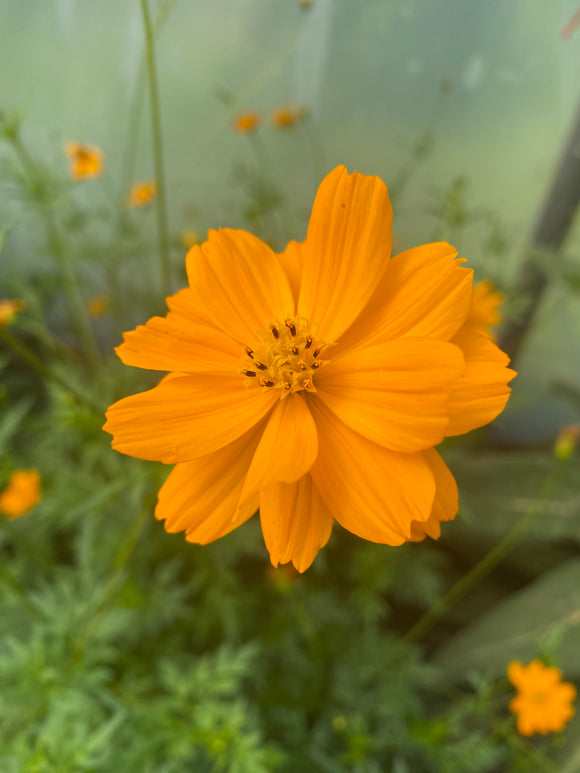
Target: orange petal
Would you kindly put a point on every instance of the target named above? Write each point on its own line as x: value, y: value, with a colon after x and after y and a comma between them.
x: 446, y: 502
x: 482, y: 392
x: 292, y: 261
x: 238, y: 284
x: 202, y: 496
x: 185, y: 417
x: 371, y: 491
x: 287, y: 448
x: 182, y: 341
x: 424, y: 293
x: 347, y: 249
x: 295, y: 522
x: 395, y: 393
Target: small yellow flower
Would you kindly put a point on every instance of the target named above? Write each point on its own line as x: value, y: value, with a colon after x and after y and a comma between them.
x: 567, y: 440
x: 247, y: 122
x: 485, y: 309
x: 141, y: 194
x: 287, y: 117
x: 85, y: 160
x: 189, y: 238
x: 97, y: 306
x: 544, y: 702
x: 21, y: 494
x: 9, y: 308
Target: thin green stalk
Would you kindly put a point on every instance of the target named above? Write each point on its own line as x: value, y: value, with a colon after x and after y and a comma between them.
x: 31, y: 358
x: 161, y: 200
x: 487, y: 563
x: 76, y: 305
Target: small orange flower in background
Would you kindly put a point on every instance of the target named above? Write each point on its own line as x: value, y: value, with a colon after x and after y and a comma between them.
x: 313, y: 384
x: 97, y: 306
x: 189, y: 238
x: 85, y: 160
x: 9, y: 309
x: 287, y: 117
x: 247, y: 122
x: 544, y: 702
x: 485, y: 309
x: 141, y: 194
x: 21, y: 494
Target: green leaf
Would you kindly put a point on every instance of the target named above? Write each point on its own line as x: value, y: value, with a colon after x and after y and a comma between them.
x: 543, y: 619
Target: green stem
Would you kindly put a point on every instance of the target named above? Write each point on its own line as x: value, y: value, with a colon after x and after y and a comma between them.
x: 41, y: 368
x: 161, y: 201
x: 486, y: 565
x: 76, y: 305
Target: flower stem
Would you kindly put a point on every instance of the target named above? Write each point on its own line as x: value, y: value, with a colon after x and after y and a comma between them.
x: 161, y: 200
x: 487, y: 563
x: 76, y: 305
x: 48, y: 374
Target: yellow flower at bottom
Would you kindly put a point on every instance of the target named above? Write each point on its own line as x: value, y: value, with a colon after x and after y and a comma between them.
x: 85, y: 160
x: 485, y: 309
x: 314, y: 383
x: 141, y: 194
x: 9, y: 308
x: 21, y: 494
x: 544, y: 702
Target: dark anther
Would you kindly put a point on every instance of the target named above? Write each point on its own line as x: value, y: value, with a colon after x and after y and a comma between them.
x: 250, y: 352
x: 291, y: 326
x: 261, y: 365
x: 316, y: 352
x: 315, y: 365
x: 294, y: 349
x: 267, y: 383
x: 308, y: 343
x: 275, y: 332
x: 249, y: 373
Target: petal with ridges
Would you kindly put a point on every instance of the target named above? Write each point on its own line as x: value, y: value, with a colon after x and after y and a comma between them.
x: 238, y: 284
x: 395, y: 393
x: 347, y: 249
x: 446, y: 502
x: 287, y: 448
x: 185, y: 417
x: 373, y: 492
x: 295, y: 522
x: 181, y: 341
x: 482, y: 392
x: 201, y: 497
x: 424, y: 293
x: 292, y: 261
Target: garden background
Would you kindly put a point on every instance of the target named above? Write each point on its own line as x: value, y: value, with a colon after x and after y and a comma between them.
x: 124, y: 648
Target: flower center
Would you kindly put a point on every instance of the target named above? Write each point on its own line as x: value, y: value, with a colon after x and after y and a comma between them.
x: 286, y: 358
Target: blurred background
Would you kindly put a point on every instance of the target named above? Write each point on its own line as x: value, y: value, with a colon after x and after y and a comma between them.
x: 122, y: 647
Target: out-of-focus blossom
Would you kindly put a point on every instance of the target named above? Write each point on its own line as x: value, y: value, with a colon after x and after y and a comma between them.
x: 141, y: 194
x: 97, y: 306
x: 485, y: 311
x: 9, y: 309
x: 567, y: 441
x: 21, y: 494
x: 247, y: 122
x: 287, y: 117
x: 85, y: 160
x: 189, y: 238
x: 544, y: 702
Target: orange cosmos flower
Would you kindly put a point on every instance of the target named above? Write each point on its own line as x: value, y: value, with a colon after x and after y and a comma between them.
x: 141, y: 194
x: 287, y: 117
x: 314, y: 383
x: 485, y: 313
x: 247, y: 122
x: 85, y: 160
x: 9, y: 308
x: 544, y: 702
x: 21, y: 494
